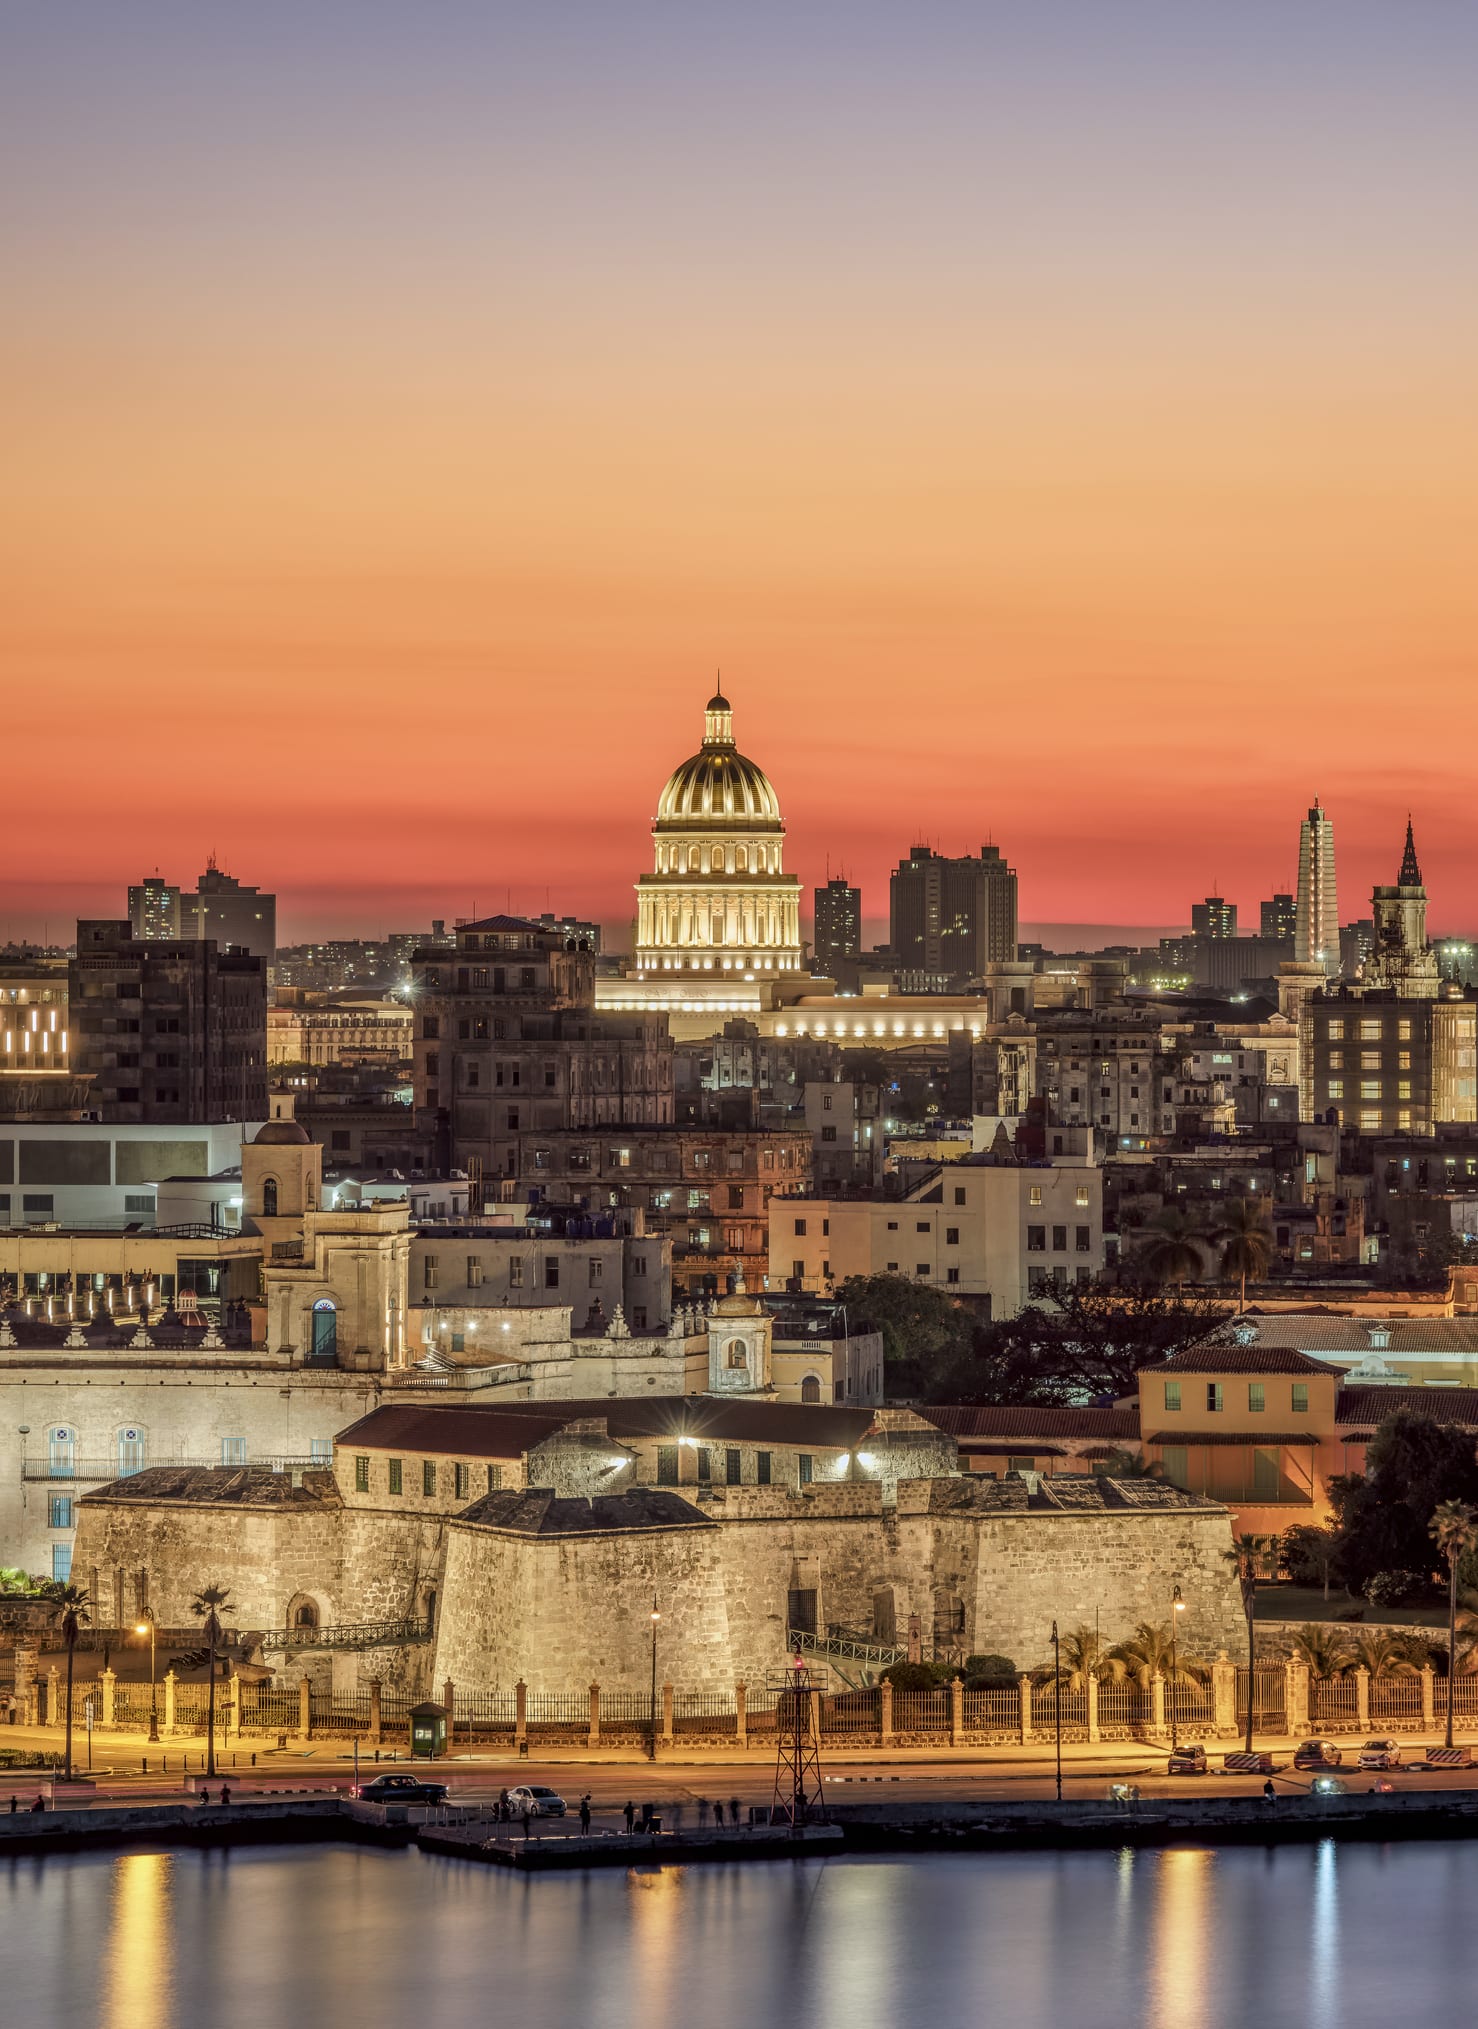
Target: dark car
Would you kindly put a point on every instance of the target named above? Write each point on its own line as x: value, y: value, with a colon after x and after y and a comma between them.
x: 1187, y: 1761
x: 1317, y: 1754
x: 401, y: 1789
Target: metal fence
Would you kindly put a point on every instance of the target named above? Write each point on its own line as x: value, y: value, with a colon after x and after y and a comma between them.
x: 1124, y: 1705
x: 1334, y: 1700
x: 921, y: 1712
x: 1189, y: 1705
x: 1266, y: 1689
x: 997, y: 1710
x: 1045, y: 1701
x: 1396, y: 1698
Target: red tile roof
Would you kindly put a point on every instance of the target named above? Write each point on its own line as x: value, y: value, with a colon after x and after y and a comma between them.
x: 1234, y: 1359
x: 1371, y: 1404
x: 983, y: 1420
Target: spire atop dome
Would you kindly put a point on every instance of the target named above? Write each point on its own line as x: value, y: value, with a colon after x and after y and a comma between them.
x: 718, y: 721
x: 1411, y: 873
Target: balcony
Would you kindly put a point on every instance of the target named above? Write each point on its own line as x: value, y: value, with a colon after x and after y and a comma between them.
x: 94, y: 1471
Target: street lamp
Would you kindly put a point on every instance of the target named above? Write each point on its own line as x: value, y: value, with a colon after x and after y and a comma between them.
x: 1057, y: 1701
x: 1177, y: 1608
x: 147, y: 1627
x: 652, y: 1706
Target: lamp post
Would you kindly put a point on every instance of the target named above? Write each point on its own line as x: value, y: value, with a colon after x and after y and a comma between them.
x: 652, y: 1706
x: 1177, y: 1609
x: 147, y: 1627
x: 1057, y: 1701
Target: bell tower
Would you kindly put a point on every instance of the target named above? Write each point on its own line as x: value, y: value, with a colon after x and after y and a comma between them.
x: 739, y: 1344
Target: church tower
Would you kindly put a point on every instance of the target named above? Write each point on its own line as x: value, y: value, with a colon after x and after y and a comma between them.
x: 1402, y: 961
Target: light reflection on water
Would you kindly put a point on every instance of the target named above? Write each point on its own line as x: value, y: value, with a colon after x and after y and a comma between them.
x: 1322, y: 1937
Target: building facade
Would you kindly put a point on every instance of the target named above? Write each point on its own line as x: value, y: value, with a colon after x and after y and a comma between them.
x: 950, y: 918
x: 1316, y: 913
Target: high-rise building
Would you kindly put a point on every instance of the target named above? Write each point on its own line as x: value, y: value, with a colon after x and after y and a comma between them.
x: 169, y: 1031
x: 228, y: 914
x: 950, y: 918
x: 154, y: 908
x: 1278, y: 916
x: 838, y: 926
x: 1401, y: 958
x: 1316, y: 919
x: 1215, y: 917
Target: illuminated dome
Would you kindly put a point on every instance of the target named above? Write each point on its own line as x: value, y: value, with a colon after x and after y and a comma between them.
x: 718, y: 899
x: 718, y: 785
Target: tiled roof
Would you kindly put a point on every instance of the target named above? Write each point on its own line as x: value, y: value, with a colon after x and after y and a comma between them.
x: 539, y: 1512
x: 971, y: 1419
x: 237, y: 1486
x: 1092, y: 1493
x: 1235, y: 1359
x: 457, y: 1430
x: 512, y: 1428
x: 1371, y: 1404
x: 1408, y: 1335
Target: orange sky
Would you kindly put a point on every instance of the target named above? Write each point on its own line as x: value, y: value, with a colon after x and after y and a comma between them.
x: 1067, y: 450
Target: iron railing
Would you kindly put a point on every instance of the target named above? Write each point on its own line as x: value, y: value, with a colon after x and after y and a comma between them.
x: 367, y: 1634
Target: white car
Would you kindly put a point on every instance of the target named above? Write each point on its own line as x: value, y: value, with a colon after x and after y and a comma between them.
x: 536, y: 1800
x: 1380, y: 1754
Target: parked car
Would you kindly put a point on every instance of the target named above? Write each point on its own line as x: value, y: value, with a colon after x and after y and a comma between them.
x: 1380, y: 1754
x: 538, y: 1801
x: 1188, y: 1760
x: 401, y: 1789
x: 1317, y: 1754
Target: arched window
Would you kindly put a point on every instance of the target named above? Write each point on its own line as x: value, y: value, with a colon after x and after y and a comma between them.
x: 61, y: 1445
x: 737, y: 1357
x: 811, y: 1388
x: 130, y: 1451
x: 741, y: 860
x: 325, y: 1330
x: 269, y: 1198
x: 306, y: 1615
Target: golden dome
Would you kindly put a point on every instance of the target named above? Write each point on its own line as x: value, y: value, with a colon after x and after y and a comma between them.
x: 718, y: 784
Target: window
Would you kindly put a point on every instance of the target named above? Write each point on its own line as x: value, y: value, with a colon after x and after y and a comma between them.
x: 1370, y: 1088
x: 736, y: 1359
x: 1173, y: 1460
x: 1403, y: 1088
x: 1172, y: 1396
x: 951, y: 1236
x: 61, y: 1562
x: 734, y: 1467
x: 130, y: 1452
x: 667, y: 1465
x: 430, y: 1027
x: 762, y: 1468
x: 1080, y: 1195
x: 1336, y: 1060
x: 1403, y: 1060
x: 551, y: 1271
x: 59, y: 1510
x: 428, y: 1272
x: 62, y: 1452
x: 515, y: 1272
x: 1059, y: 1239
x: 1336, y: 1032
x: 1300, y: 1398
x: 921, y: 1268
x: 428, y: 1477
x: 959, y: 1194
x: 1370, y: 1060
x: 361, y: 1475
x: 233, y: 1451
x: 395, y: 1476
x: 1370, y: 1031
x: 1036, y: 1239
x: 736, y: 1197
x: 1403, y: 1031
x: 321, y: 1450
x: 1256, y: 1397
x: 1336, y: 1088
x: 807, y: 1467
x: 1213, y: 1395
x: 495, y: 1478
x: 1370, y: 1123
x: 474, y: 1271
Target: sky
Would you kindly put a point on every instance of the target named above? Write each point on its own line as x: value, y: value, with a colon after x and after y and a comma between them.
x: 1059, y: 424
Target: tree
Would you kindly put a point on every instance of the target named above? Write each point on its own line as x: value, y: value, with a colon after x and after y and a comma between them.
x: 922, y: 1329
x: 1385, y: 1654
x: 1091, y: 1343
x: 1173, y: 1248
x: 1325, y: 1649
x: 1306, y: 1554
x: 1382, y: 1517
x: 1246, y: 1237
x: 209, y: 1603
x: 1454, y: 1526
x: 1131, y: 1465
x: 76, y: 1612
x: 1247, y: 1555
x: 1148, y: 1654
x: 1085, y: 1655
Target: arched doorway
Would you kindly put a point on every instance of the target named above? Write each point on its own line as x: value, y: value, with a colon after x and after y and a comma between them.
x: 325, y: 1330
x: 811, y: 1388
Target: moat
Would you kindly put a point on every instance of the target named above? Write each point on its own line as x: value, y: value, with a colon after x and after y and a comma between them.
x: 1326, y: 1936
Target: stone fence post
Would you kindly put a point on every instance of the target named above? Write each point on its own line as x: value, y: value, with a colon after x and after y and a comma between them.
x: 233, y: 1706
x: 1024, y: 1693
x: 885, y: 1713
x: 813, y: 1716
x: 449, y: 1699
x: 377, y: 1710
x: 520, y: 1713
x: 592, y: 1738
x: 305, y: 1709
x: 1157, y: 1703
x: 1224, y: 1696
x: 741, y: 1713
x: 26, y: 1659
x: 956, y: 1710
x: 107, y: 1679
x: 1429, y: 1703
x: 1296, y: 1697
x: 1091, y: 1683
x: 170, y: 1681
x: 667, y: 1715
x: 1362, y: 1698
x: 54, y: 1715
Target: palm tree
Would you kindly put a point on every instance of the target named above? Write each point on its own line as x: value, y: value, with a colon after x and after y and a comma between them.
x: 1246, y: 1238
x: 1325, y: 1649
x: 1454, y: 1524
x: 1172, y: 1249
x: 1148, y: 1654
x: 209, y: 1603
x: 1246, y: 1554
x: 1084, y: 1655
x: 1121, y: 1464
x: 76, y: 1612
x: 1385, y: 1654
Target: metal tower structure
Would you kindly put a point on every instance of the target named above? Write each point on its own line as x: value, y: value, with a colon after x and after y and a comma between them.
x: 800, y: 1797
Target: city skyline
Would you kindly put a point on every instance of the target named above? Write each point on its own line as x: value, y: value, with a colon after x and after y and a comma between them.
x: 1056, y: 436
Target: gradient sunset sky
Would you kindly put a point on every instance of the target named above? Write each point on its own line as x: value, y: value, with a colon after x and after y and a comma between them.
x: 1058, y: 422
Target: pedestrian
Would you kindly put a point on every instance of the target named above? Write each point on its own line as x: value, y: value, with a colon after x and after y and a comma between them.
x: 205, y: 1794
x: 40, y: 1803
x: 630, y: 1816
x: 703, y: 1814
x: 528, y: 1819
x: 585, y: 1817
x: 1269, y: 1794
x: 15, y: 1803
x: 225, y: 1794
x: 718, y: 1814
x: 733, y: 1810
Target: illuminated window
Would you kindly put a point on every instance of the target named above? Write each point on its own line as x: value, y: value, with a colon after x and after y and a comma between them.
x: 1301, y: 1398
x: 1256, y: 1397
x: 1370, y: 1060
x: 1336, y: 1088
x: 1403, y: 1088
x: 1336, y: 1032
x: 1172, y: 1395
x: 1370, y: 1088
x: 1370, y: 1123
x: 1370, y: 1031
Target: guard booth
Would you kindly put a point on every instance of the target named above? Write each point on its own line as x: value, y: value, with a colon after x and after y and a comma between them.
x: 428, y: 1730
